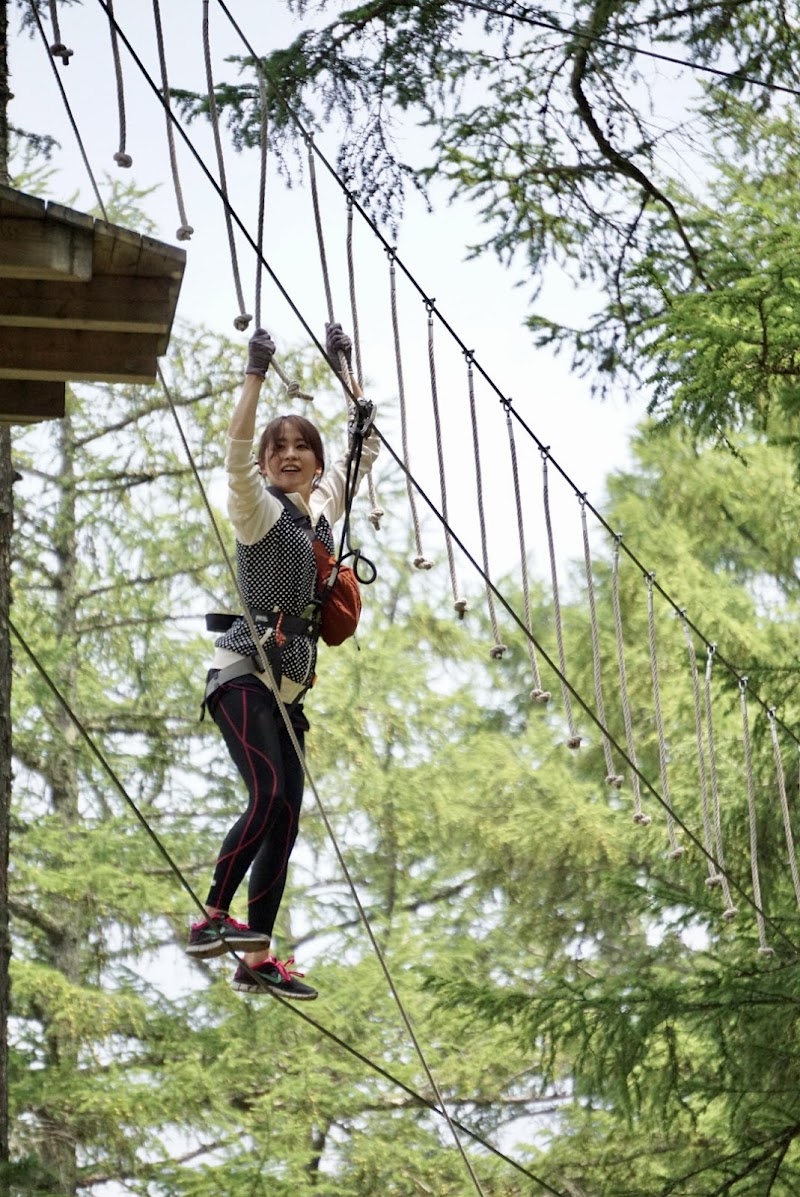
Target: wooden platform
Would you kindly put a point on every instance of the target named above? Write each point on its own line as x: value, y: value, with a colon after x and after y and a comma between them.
x: 80, y: 299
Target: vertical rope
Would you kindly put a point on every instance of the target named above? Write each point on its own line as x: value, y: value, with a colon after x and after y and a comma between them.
x: 460, y: 604
x: 638, y: 814
x: 263, y: 147
x: 573, y: 740
x: 675, y: 849
x: 730, y: 910
x: 344, y: 370
x: 185, y: 231
x: 612, y: 777
x: 121, y: 157
x: 787, y: 824
x: 538, y: 694
x: 420, y: 561
x: 498, y: 648
x: 714, y: 877
x: 763, y: 947
x: 241, y: 321
x: 58, y: 49
x: 377, y: 511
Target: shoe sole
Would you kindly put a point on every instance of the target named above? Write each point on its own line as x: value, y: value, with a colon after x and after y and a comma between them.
x: 226, y: 943
x: 246, y: 987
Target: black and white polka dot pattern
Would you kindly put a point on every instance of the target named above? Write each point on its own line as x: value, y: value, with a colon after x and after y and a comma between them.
x: 279, y: 571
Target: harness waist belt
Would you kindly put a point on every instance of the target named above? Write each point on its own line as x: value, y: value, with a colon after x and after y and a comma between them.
x: 290, y: 625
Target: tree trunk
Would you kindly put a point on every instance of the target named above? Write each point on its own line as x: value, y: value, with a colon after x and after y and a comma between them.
x: 6, y: 520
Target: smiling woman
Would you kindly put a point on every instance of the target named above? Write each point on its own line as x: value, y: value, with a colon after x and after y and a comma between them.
x: 279, y: 503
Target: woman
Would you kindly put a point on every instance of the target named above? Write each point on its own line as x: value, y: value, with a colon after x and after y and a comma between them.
x: 277, y: 575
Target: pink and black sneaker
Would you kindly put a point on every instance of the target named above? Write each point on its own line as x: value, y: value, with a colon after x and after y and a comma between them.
x: 273, y: 976
x: 214, y: 936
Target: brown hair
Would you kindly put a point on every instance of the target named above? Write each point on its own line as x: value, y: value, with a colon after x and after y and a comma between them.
x: 304, y: 427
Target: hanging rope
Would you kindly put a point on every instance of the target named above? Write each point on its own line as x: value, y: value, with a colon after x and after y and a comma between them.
x: 377, y: 511
x: 344, y: 369
x: 714, y: 877
x: 58, y: 49
x: 730, y: 910
x: 460, y: 604
x: 420, y: 560
x: 763, y: 948
x: 638, y: 814
x: 676, y: 850
x: 538, y: 693
x: 787, y: 823
x: 293, y: 390
x: 241, y: 321
x: 498, y: 648
x: 612, y: 777
x: 185, y: 231
x: 574, y: 739
x: 121, y: 157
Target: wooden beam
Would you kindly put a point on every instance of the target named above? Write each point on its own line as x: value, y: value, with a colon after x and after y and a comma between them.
x: 44, y: 249
x: 44, y: 355
x: 108, y: 303
x: 23, y: 402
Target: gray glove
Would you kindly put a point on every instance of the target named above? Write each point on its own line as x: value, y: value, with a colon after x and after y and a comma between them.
x: 260, y: 351
x: 336, y: 342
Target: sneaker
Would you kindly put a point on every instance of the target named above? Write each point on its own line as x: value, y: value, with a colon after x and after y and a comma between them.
x: 272, y: 976
x: 215, y: 936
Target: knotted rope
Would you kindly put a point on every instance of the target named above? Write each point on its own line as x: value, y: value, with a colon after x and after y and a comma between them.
x: 460, y: 604
x: 574, y: 739
x: 185, y: 231
x: 121, y: 158
x: 714, y: 877
x: 763, y: 947
x: 612, y: 777
x: 538, y: 693
x: 498, y: 648
x: 377, y: 512
x: 58, y: 49
x: 730, y: 910
x: 638, y: 814
x: 242, y: 321
x: 675, y: 849
x: 787, y: 824
x: 420, y: 561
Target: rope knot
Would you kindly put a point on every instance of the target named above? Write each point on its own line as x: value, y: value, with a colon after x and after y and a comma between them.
x: 615, y: 780
x: 241, y: 322
x: 461, y: 606
x: 375, y: 517
x: 766, y: 951
x: 642, y: 819
x: 497, y: 650
x: 714, y: 881
x: 730, y: 913
x: 184, y: 233
x: 59, y: 50
x: 422, y: 563
x: 541, y: 696
x: 122, y: 159
x: 573, y: 742
x: 677, y: 853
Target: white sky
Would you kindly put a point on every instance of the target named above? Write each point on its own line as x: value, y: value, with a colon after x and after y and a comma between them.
x: 478, y: 298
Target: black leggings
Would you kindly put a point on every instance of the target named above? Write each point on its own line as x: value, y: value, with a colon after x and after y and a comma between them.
x: 253, y: 729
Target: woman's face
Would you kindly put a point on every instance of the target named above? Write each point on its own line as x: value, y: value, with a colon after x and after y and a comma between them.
x: 290, y: 463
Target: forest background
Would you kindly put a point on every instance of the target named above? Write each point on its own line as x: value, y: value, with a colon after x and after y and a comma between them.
x: 584, y: 1006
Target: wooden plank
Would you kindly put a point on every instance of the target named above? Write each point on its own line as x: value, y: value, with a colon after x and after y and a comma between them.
x: 110, y: 303
x: 76, y: 354
x: 23, y: 402
x: 36, y: 249
x: 116, y: 250
x: 17, y: 203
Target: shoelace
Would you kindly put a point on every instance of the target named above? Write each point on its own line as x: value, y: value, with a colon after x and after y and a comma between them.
x: 283, y: 968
